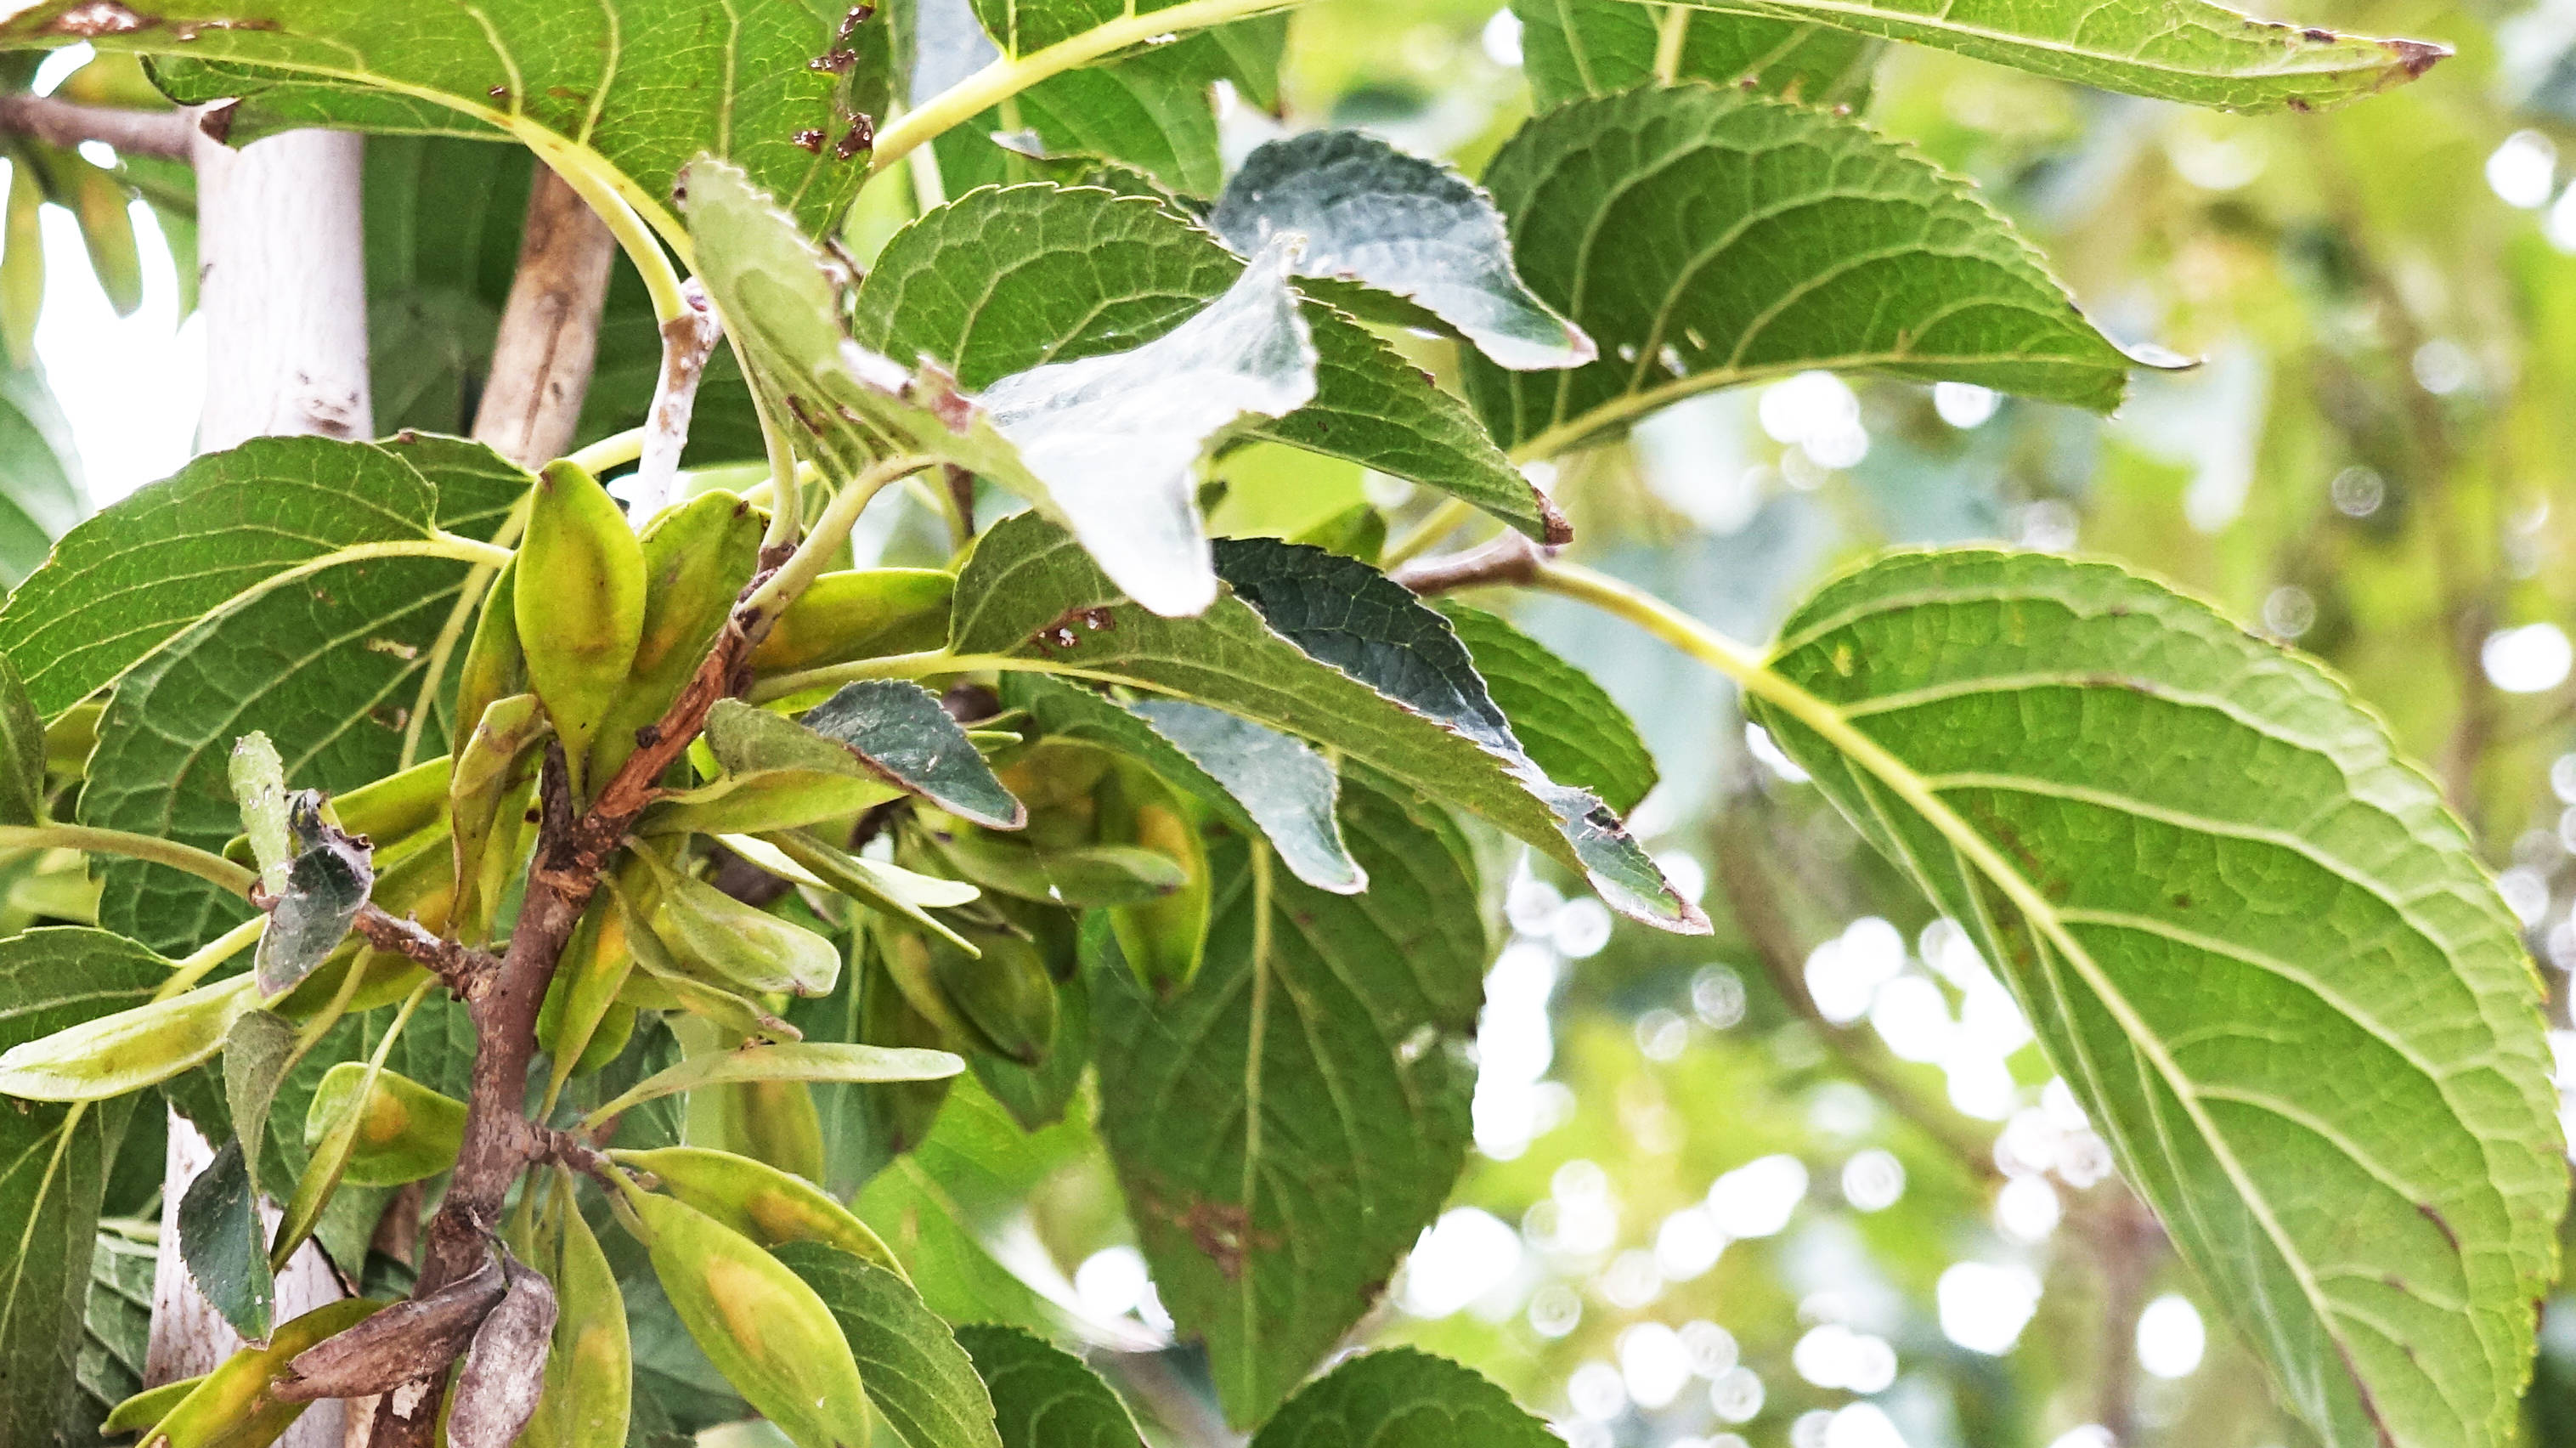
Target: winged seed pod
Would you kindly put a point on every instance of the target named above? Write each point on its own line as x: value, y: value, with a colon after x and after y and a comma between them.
x: 579, y: 604
x: 764, y: 1329
x: 769, y: 1206
x: 128, y: 1050
x: 504, y: 1376
x: 407, y: 1341
x: 236, y: 1405
x: 1163, y: 939
x: 495, y: 666
x: 770, y: 1121
x: 487, y: 769
x: 1007, y: 998
x: 408, y: 1131
x: 583, y: 996
x: 697, y: 557
x: 590, y: 1371
x: 745, y: 947
x: 858, y: 613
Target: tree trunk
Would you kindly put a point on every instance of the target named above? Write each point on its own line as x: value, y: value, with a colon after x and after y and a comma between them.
x: 282, y: 283
x: 541, y: 361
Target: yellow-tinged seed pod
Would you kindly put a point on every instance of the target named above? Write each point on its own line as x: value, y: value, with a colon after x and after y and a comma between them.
x: 22, y: 267
x: 406, y: 1132
x: 1057, y: 779
x: 488, y: 769
x: 579, y: 603
x: 770, y: 1206
x: 583, y: 997
x: 697, y: 557
x: 750, y: 949
x: 772, y: 799
x: 770, y: 1121
x: 146, y: 1408
x: 590, y: 1373
x: 495, y: 666
x: 1007, y: 998
x: 764, y: 1329
x: 858, y: 614
x: 887, y: 1018
x: 1162, y: 939
x: 129, y: 1050
x: 231, y: 1406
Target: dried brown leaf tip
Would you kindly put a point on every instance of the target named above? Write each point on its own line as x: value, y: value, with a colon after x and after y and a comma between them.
x: 407, y: 1341
x: 505, y: 1369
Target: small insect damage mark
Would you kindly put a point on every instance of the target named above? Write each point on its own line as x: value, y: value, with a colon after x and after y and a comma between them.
x: 834, y: 62
x: 2322, y: 37
x: 859, y: 15
x: 861, y: 136
x: 2418, y: 56
x: 811, y: 140
x: 391, y: 716
x: 796, y: 405
x: 1224, y: 1234
x: 216, y: 121
x: 2434, y: 1215
x: 395, y: 647
x: 99, y: 17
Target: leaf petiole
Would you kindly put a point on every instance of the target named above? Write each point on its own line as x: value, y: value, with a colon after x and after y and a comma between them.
x: 211, y: 868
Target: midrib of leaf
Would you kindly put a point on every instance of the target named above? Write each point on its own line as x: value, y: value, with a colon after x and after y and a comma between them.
x: 1255, y: 1035
x: 1976, y: 855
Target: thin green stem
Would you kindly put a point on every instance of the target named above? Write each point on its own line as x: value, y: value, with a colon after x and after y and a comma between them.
x: 922, y: 666
x: 450, y: 633
x: 831, y: 525
x: 206, y: 957
x: 1008, y: 77
x: 466, y: 550
x: 211, y: 868
x: 613, y: 451
x: 1441, y: 522
x: 787, y: 500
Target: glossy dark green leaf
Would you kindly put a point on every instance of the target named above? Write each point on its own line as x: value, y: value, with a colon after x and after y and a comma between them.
x: 1043, y: 1396
x: 2262, y: 953
x: 1259, y: 779
x: 921, y: 1383
x: 900, y: 730
x: 150, y: 565
x: 257, y: 1051
x: 1568, y: 723
x: 53, y: 1168
x: 1576, y: 48
x: 604, y: 88
x: 1400, y: 224
x: 222, y: 1241
x: 1327, y: 647
x: 1077, y: 272
x: 1285, y: 1126
x: 1776, y: 238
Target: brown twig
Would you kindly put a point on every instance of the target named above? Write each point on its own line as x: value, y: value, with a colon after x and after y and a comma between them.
x: 165, y: 134
x: 572, y: 853
x: 1510, y: 558
x: 463, y: 968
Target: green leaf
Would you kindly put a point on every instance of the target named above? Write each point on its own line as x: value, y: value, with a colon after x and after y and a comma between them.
x: 917, y: 1377
x: 901, y: 730
x: 1402, y: 1398
x: 53, y: 1168
x: 2176, y: 50
x: 40, y: 483
x: 221, y: 1240
x: 22, y: 752
x: 1709, y: 238
x: 153, y: 563
x: 257, y: 1051
x: 1322, y: 645
x: 607, y: 90
x: 1260, y: 780
x: 1569, y: 724
x: 1576, y: 48
x: 2204, y: 872
x: 1076, y: 272
x: 1037, y: 1096
x: 1043, y: 1396
x: 116, y: 1329
x: 1285, y: 1126
x: 1400, y: 224
x: 326, y: 887
x: 797, y: 1061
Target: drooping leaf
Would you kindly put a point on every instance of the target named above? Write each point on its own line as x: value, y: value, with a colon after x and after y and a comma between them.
x: 2204, y: 872
x: 40, y: 479
x: 1568, y: 723
x: 53, y: 1168
x: 604, y: 88
x: 2178, y: 50
x: 1043, y: 1396
x: 1775, y: 238
x: 1403, y: 1398
x: 1076, y: 272
x: 1326, y: 1098
x: 1576, y: 48
x: 332, y: 664
x: 1401, y: 224
x: 150, y: 565
x: 920, y: 1382
x: 1114, y: 436
x: 222, y: 1241
x: 1259, y: 779
x: 901, y: 730
x: 1322, y: 645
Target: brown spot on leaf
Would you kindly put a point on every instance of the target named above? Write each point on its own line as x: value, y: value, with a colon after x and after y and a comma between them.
x: 2434, y: 1215
x: 811, y: 140
x: 2417, y: 56
x: 834, y: 62
x: 861, y: 136
x: 858, y: 16
x: 1224, y: 1235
